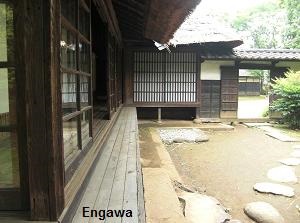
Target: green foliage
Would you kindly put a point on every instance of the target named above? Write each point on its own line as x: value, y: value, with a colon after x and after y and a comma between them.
x: 265, y: 113
x: 262, y: 26
x: 292, y: 37
x: 288, y: 103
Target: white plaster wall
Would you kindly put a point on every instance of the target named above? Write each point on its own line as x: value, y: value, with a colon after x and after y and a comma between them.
x: 210, y: 70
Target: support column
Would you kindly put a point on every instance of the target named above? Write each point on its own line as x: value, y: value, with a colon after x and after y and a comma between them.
x: 159, y: 115
x: 39, y: 23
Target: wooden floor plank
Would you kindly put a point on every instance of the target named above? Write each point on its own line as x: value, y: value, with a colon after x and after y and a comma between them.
x: 114, y: 184
x: 103, y: 196
x: 130, y: 194
x: 93, y: 188
x: 117, y: 194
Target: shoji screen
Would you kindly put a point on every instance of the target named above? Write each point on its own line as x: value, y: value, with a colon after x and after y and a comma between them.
x: 163, y: 77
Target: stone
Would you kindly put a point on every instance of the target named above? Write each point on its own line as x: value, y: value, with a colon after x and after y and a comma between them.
x: 203, y: 208
x: 161, y: 201
x: 283, y: 174
x: 290, y: 161
x: 296, y: 147
x: 276, y: 189
x: 179, y: 135
x: 234, y: 221
x: 202, y: 138
x: 296, y: 153
x: 197, y: 121
x: 262, y: 212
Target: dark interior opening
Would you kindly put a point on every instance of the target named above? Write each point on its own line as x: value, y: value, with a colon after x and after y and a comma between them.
x: 99, y: 71
x: 167, y: 113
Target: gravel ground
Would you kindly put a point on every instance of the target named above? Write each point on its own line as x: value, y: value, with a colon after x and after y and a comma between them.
x: 177, y: 135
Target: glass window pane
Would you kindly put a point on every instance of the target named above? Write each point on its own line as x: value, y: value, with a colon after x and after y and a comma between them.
x: 68, y: 90
x: 6, y: 33
x: 70, y: 135
x: 68, y: 49
x: 84, y: 91
x: 84, y: 22
x: 3, y: 33
x: 85, y: 128
x: 9, y: 163
x: 84, y: 57
x: 68, y: 10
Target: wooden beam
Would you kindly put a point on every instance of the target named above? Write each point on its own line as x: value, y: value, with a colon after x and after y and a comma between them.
x: 254, y: 66
x: 131, y: 8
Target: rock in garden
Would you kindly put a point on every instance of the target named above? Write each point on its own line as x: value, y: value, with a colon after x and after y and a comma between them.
x: 276, y: 189
x: 283, y: 174
x: 296, y: 153
x: 262, y: 212
x: 296, y: 147
x: 290, y: 161
x: 203, y: 208
x: 197, y: 121
x: 178, y: 135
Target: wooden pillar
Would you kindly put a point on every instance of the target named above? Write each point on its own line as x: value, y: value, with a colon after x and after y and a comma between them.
x: 38, y: 25
x: 159, y: 115
x: 198, y: 70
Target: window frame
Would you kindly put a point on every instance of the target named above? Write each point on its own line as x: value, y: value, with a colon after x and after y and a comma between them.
x: 72, y: 163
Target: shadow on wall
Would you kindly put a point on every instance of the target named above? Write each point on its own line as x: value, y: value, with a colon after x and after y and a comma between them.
x: 167, y: 113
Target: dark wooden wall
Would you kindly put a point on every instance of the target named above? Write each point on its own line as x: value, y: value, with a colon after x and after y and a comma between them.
x: 229, y: 91
x: 210, y: 99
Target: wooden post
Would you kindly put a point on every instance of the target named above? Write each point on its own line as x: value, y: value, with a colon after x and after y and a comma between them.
x: 39, y: 47
x: 159, y: 115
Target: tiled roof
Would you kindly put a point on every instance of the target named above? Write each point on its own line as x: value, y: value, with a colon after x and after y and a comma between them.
x: 252, y: 54
x: 268, y: 54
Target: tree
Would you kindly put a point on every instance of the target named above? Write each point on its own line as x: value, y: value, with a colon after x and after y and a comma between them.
x: 288, y: 103
x: 292, y: 35
x: 263, y: 26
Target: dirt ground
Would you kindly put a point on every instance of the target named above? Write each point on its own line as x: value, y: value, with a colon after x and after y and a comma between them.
x: 228, y: 166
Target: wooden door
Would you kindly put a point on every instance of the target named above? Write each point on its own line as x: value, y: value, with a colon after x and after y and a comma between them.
x: 229, y: 92
x: 210, y: 99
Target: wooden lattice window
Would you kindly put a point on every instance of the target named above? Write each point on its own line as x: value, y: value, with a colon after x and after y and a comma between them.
x: 161, y: 77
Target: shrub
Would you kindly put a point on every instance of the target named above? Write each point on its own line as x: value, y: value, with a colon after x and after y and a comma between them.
x: 288, y: 102
x: 265, y: 112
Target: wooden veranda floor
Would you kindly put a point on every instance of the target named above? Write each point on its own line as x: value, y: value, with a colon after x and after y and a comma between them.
x: 116, y: 181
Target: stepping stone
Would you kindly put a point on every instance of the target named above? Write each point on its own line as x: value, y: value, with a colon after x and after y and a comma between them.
x: 296, y: 153
x: 276, y: 189
x: 283, y: 174
x: 262, y: 212
x: 203, y: 208
x: 296, y: 147
x: 290, y: 161
x: 281, y: 136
